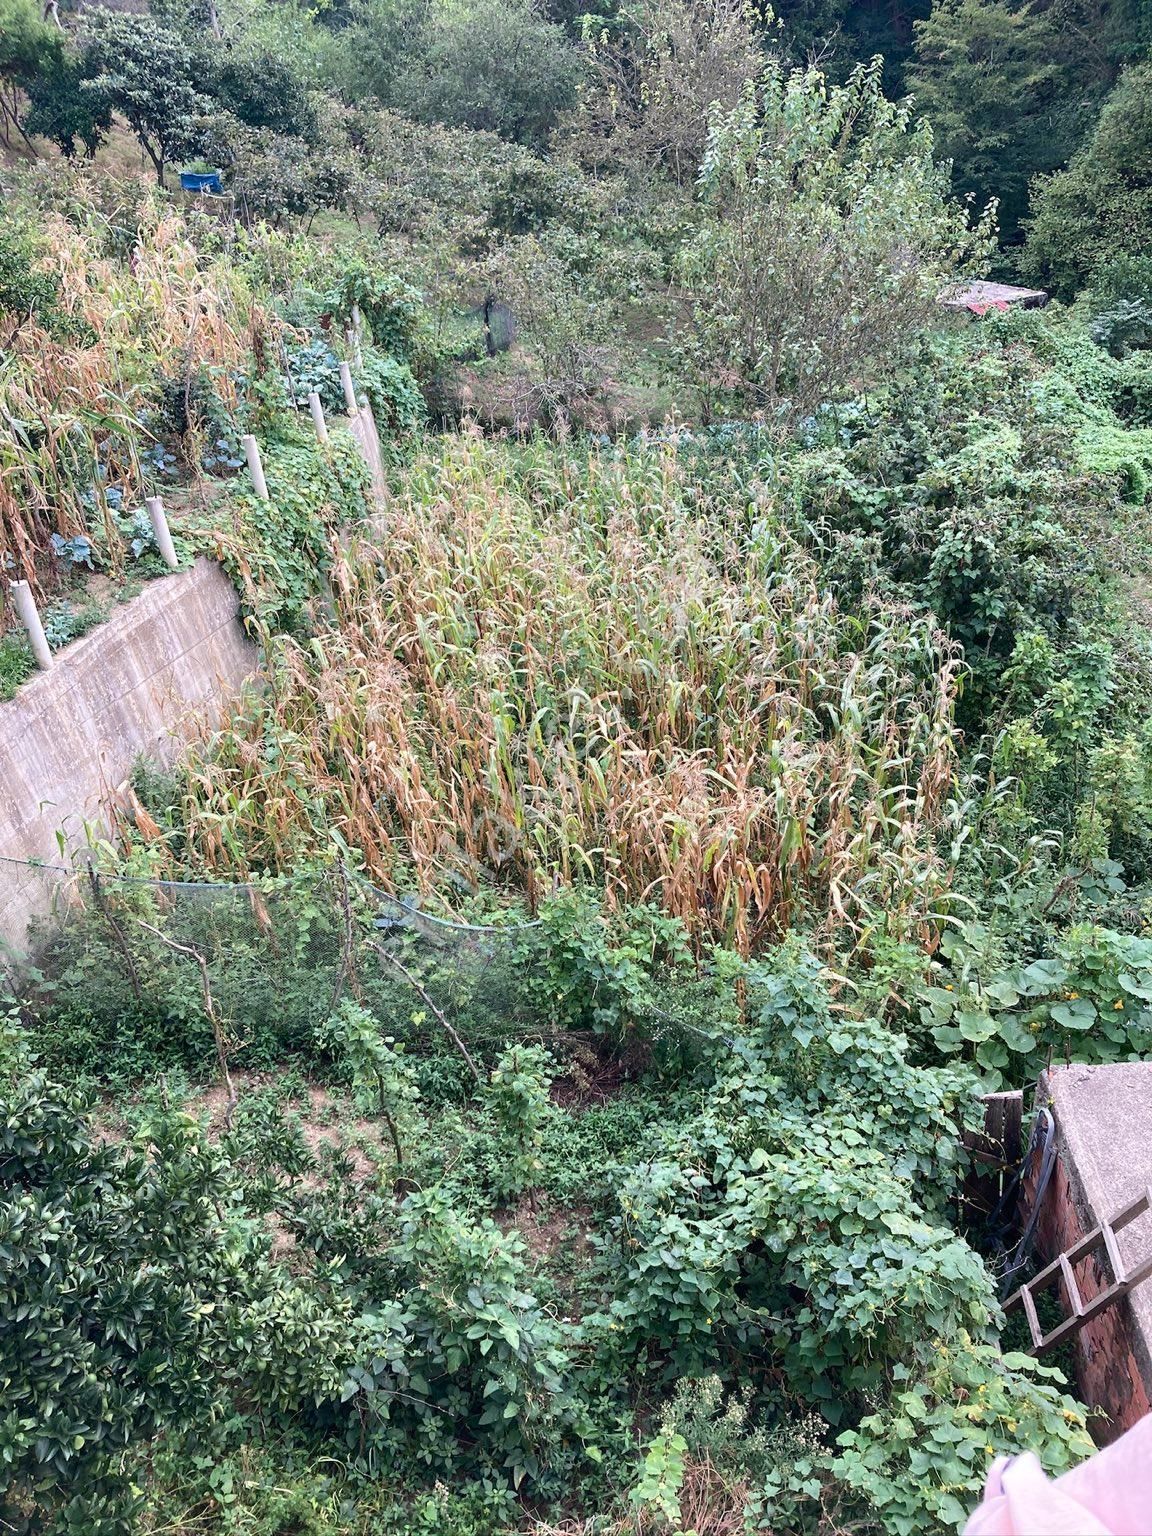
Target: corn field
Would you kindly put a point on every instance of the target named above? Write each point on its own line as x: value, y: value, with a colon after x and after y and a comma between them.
x: 547, y: 670
x: 74, y: 399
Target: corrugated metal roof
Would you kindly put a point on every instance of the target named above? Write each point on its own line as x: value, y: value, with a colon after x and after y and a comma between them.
x: 979, y: 297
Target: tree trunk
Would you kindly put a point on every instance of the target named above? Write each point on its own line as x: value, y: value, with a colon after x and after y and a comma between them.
x: 157, y: 159
x: 489, y: 342
x: 11, y: 115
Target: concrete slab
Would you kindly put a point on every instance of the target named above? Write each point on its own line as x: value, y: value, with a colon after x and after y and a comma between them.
x: 1104, y: 1134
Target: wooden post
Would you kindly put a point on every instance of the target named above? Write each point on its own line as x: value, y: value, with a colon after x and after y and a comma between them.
x: 995, y: 1151
x: 318, y: 416
x: 349, y: 389
x: 255, y: 465
x: 1004, y: 1123
x: 30, y: 618
x: 159, y: 520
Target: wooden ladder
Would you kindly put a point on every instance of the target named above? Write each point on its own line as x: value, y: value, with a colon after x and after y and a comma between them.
x: 1103, y: 1236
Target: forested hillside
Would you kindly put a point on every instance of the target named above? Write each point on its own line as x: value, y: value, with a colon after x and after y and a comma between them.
x: 512, y: 1076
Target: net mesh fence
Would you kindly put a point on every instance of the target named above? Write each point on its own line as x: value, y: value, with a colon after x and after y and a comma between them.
x: 127, y: 974
x: 163, y: 971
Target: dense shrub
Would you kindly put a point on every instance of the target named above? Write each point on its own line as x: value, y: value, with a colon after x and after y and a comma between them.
x: 1099, y: 207
x: 780, y: 1224
x: 962, y: 489
x: 130, y: 1303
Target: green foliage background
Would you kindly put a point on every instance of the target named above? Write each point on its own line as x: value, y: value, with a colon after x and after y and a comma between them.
x: 549, y: 1188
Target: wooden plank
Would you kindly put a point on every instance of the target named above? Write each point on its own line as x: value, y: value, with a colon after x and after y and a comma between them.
x: 1087, y: 1244
x: 1003, y: 1122
x: 1098, y: 1304
x: 1045, y: 1277
x: 1103, y: 1236
x: 1068, y: 1328
x: 1114, y: 1259
x: 1034, y: 1327
x: 995, y: 1150
x: 1012, y: 1131
x: 1071, y: 1289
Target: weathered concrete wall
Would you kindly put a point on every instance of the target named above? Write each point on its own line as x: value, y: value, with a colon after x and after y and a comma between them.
x: 163, y: 666
x: 1104, y: 1137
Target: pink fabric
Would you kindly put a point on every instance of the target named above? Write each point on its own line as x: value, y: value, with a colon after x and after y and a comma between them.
x: 1110, y: 1494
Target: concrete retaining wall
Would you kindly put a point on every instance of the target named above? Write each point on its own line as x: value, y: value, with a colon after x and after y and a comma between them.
x: 161, y: 668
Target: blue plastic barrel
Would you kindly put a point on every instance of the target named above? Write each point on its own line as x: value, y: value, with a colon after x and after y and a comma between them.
x: 200, y: 181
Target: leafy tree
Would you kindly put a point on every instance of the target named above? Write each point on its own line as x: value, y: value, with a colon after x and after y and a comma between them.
x: 1120, y: 301
x: 143, y: 69
x: 113, y: 1264
x: 480, y: 64
x: 133, y: 1304
x: 518, y: 1097
x: 563, y: 332
x: 827, y: 235
x: 496, y: 65
x: 1098, y: 37
x: 1100, y: 207
x: 190, y: 17
x: 263, y: 91
x: 955, y: 488
x: 578, y: 16
x: 27, y: 47
x: 811, y: 29
x: 380, y: 38
x: 835, y: 35
x: 63, y: 107
x: 25, y: 292
x: 382, y: 1079
x: 454, y: 187
x: 655, y: 80
x: 276, y: 175
x: 988, y: 77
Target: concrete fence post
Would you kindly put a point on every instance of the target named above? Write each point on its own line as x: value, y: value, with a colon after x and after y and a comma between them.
x: 30, y: 618
x: 159, y: 520
x: 318, y: 416
x: 255, y: 465
x: 349, y: 389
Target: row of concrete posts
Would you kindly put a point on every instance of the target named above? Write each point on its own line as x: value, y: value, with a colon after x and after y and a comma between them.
x: 25, y: 603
